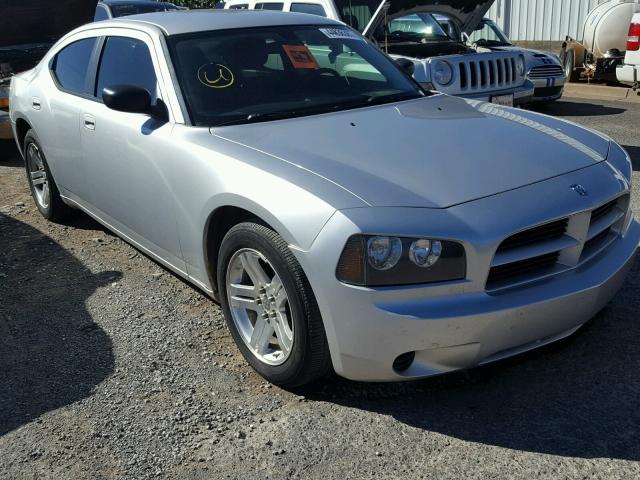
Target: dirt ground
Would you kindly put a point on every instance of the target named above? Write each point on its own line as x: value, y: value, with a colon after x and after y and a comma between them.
x: 111, y: 367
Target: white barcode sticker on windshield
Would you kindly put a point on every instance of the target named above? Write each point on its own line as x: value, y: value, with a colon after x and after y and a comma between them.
x: 341, y: 33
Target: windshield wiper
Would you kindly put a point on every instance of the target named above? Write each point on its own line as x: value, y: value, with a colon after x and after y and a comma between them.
x: 324, y: 108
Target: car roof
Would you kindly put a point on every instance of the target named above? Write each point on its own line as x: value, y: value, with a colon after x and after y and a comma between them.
x: 176, y: 22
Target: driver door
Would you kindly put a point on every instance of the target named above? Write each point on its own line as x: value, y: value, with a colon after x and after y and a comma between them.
x: 124, y: 153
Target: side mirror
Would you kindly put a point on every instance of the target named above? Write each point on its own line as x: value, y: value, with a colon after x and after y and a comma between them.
x: 405, y: 64
x: 127, y: 98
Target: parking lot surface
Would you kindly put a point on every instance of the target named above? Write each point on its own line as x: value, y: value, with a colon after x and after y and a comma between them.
x: 111, y: 367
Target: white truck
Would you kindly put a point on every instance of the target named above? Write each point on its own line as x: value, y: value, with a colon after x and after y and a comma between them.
x: 409, y: 30
x: 629, y: 72
x: 601, y: 50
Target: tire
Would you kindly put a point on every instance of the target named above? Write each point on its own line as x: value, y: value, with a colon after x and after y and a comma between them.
x: 569, y: 65
x: 303, y: 353
x: 41, y: 183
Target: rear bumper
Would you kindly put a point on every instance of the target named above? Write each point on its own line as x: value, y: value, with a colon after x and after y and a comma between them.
x: 628, y: 74
x: 6, y: 132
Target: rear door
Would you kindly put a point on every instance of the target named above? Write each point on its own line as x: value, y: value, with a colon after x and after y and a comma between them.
x: 123, y: 154
x: 72, y: 76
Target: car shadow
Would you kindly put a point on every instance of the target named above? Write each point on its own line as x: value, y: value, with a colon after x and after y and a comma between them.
x: 9, y: 154
x: 577, y: 398
x: 568, y: 108
x: 634, y: 153
x: 52, y: 353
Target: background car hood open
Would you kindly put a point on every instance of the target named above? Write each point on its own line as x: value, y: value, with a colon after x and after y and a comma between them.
x: 41, y: 21
x: 468, y: 13
x: 435, y: 152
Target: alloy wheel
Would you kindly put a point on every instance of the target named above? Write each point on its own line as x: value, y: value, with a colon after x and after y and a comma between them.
x: 38, y: 176
x: 259, y: 306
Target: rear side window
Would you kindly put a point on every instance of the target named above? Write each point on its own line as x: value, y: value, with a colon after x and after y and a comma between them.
x: 239, y: 6
x: 311, y: 8
x: 269, y: 6
x: 71, y: 64
x: 126, y: 61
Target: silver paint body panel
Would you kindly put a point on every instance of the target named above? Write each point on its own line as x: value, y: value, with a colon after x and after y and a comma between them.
x: 439, y: 167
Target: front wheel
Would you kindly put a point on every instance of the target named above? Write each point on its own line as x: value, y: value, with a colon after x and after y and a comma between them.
x: 269, y: 306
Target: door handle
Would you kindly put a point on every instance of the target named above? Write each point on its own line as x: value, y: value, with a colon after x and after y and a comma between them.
x: 35, y: 103
x: 89, y: 122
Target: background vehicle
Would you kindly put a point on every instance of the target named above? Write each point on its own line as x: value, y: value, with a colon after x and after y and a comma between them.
x: 408, y: 30
x: 544, y: 70
x: 601, y: 49
x: 25, y: 38
x: 121, y: 8
x: 629, y: 73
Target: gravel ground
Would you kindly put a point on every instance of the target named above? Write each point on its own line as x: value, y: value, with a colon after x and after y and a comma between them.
x: 111, y: 367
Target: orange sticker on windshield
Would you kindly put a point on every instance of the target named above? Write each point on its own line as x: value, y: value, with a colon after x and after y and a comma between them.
x: 300, y: 56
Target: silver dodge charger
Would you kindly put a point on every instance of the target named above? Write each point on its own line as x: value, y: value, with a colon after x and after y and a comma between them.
x: 343, y: 217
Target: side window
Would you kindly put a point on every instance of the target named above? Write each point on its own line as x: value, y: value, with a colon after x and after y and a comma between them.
x: 101, y: 14
x: 70, y: 65
x: 269, y: 6
x: 126, y: 61
x: 311, y: 8
x: 239, y: 6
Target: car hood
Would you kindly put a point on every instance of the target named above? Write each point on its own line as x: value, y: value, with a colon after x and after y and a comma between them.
x: 434, y: 152
x: 468, y: 13
x: 41, y: 21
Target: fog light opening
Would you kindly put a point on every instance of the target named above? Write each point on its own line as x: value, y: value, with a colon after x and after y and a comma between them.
x: 404, y: 361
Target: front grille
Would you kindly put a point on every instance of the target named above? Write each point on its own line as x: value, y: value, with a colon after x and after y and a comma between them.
x: 488, y: 73
x: 522, y: 268
x: 542, y: 233
x: 556, y: 246
x: 597, y: 240
x: 546, y: 71
x: 600, y: 212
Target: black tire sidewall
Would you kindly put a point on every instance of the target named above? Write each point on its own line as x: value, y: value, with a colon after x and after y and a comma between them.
x: 569, y: 65
x: 244, y: 236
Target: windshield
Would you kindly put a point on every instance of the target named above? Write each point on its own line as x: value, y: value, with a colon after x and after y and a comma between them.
x: 488, y: 34
x: 257, y: 74
x: 416, y: 28
x: 134, y: 9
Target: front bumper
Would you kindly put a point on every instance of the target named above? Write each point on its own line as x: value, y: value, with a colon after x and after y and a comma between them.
x: 521, y: 95
x: 548, y: 89
x: 6, y: 132
x: 628, y: 74
x: 457, y: 325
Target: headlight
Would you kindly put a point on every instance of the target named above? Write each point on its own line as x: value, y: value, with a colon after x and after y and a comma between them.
x: 521, y: 65
x: 442, y: 73
x: 374, y: 260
